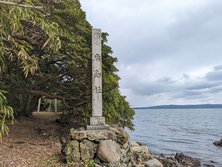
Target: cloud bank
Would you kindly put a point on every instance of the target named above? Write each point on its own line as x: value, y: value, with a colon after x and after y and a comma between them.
x: 169, y: 51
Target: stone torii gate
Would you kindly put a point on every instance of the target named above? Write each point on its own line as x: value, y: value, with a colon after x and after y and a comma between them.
x: 97, y: 121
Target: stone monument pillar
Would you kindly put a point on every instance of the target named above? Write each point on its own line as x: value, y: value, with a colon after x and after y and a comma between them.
x: 97, y: 121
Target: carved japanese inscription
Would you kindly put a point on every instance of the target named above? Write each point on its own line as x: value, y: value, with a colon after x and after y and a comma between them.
x: 96, y: 73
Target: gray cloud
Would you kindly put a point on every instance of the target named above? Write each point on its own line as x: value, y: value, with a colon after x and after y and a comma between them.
x: 202, y: 85
x: 214, y: 75
x: 218, y: 68
x: 169, y: 51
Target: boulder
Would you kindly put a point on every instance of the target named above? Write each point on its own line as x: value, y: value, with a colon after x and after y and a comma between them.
x: 87, y: 150
x: 121, y: 135
x: 109, y: 151
x: 218, y: 143
x: 141, y: 152
x: 153, y: 163
x: 187, y: 160
x: 72, y: 151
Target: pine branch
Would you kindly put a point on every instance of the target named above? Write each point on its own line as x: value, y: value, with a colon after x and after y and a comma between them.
x: 20, y: 5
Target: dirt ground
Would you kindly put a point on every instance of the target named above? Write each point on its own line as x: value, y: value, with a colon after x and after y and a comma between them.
x: 34, y: 142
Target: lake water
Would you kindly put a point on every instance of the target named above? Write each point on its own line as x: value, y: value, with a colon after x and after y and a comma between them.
x: 191, y: 131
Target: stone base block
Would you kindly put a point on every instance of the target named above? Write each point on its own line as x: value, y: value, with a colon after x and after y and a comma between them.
x: 97, y: 127
x: 97, y: 121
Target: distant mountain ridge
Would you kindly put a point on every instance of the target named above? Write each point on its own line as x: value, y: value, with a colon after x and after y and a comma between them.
x: 172, y: 106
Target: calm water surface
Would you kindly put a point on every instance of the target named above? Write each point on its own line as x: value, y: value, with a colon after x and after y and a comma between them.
x: 191, y: 131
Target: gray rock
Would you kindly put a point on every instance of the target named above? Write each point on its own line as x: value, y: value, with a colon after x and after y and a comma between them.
x: 218, y: 143
x: 121, y: 135
x: 72, y: 151
x: 97, y: 135
x: 133, y: 143
x: 87, y: 150
x: 208, y: 165
x: 126, y: 146
x: 97, y: 165
x: 78, y: 135
x: 140, y: 149
x: 92, y: 135
x: 187, y: 160
x: 168, y: 161
x: 63, y: 142
x: 153, y: 163
x: 141, y: 152
x: 109, y: 151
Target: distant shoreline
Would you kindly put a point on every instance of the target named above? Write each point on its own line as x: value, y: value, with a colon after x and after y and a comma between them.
x: 198, y: 106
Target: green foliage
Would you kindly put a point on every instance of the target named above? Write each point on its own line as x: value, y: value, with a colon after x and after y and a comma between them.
x: 17, y: 59
x: 18, y: 27
x: 50, y: 55
x: 116, y: 108
x: 91, y: 163
x: 6, y: 112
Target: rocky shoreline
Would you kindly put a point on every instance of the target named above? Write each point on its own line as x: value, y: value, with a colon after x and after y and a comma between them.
x: 218, y: 143
x: 113, y: 148
x: 182, y: 160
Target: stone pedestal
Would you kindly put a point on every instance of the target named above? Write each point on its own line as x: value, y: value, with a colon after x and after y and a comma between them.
x: 97, y: 123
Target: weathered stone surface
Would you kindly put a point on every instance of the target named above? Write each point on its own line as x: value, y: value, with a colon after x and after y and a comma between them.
x: 78, y: 134
x: 72, y: 151
x: 168, y: 161
x: 133, y: 143
x: 92, y: 135
x: 126, y: 146
x: 140, y: 153
x: 140, y: 150
x: 187, y: 160
x: 87, y: 150
x: 63, y: 143
x: 97, y: 135
x: 109, y: 151
x: 96, y: 118
x: 180, y: 160
x: 98, y: 127
x: 153, y: 163
x: 218, y: 143
x: 121, y: 136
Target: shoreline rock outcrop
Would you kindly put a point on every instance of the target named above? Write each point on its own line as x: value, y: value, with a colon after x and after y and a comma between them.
x: 218, y: 143
x: 179, y: 160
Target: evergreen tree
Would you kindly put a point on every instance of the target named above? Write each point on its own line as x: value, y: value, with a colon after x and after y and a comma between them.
x: 47, y: 53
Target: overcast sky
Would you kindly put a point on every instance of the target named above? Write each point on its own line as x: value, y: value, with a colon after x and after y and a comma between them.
x: 169, y: 51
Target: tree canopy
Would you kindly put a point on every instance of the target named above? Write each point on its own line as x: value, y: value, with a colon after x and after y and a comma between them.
x: 47, y: 52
